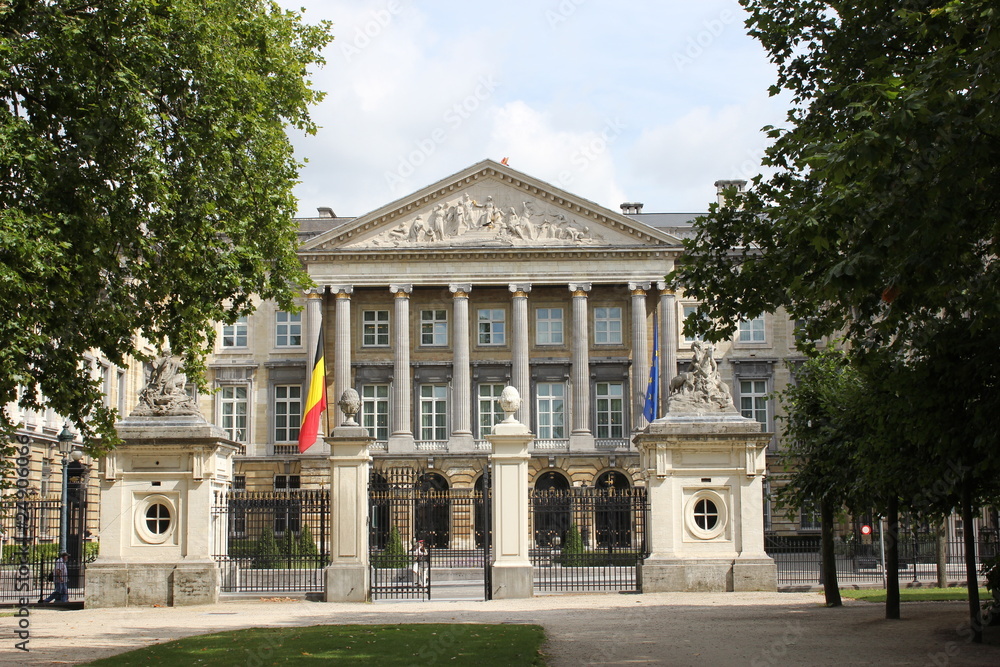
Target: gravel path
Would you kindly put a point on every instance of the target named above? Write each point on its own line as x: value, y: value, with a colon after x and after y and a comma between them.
x: 754, y: 629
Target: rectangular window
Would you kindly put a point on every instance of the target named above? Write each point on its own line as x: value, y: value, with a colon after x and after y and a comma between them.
x: 433, y: 327
x: 287, y: 412
x: 551, y: 410
x: 106, y: 384
x: 687, y: 311
x: 491, y: 326
x: 610, y: 410
x: 235, y: 334
x: 375, y: 410
x: 286, y: 515
x: 287, y: 329
x: 753, y: 400
x: 809, y: 516
x: 121, y: 392
x: 752, y: 331
x: 239, y: 482
x: 434, y: 412
x: 490, y: 412
x: 608, y: 326
x: 549, y: 326
x: 375, y: 328
x: 234, y: 412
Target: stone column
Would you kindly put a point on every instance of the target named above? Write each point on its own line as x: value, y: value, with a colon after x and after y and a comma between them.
x: 668, y: 341
x: 640, y: 354
x: 511, y: 569
x: 342, y: 344
x: 347, y: 575
x: 520, y: 372
x: 401, y: 438
x: 581, y: 436
x: 461, y: 424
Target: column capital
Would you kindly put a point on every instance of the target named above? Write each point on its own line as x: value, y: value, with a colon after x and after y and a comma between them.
x: 639, y: 288
x: 401, y: 291
x: 316, y: 292
x: 519, y: 289
x: 342, y: 291
x: 460, y: 290
x: 580, y: 289
x: 666, y: 289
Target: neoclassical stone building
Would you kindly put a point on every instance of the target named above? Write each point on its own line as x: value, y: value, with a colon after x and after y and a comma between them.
x: 433, y: 303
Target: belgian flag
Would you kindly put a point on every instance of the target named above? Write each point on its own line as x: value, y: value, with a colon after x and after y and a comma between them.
x: 315, y: 399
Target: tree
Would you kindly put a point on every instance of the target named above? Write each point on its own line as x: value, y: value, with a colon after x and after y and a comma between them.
x: 145, y: 183
x: 823, y: 430
x: 881, y: 219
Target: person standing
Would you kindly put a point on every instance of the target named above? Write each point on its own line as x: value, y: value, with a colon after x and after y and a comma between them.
x: 60, y: 577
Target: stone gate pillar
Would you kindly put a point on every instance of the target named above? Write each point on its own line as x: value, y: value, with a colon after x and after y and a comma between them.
x: 347, y: 576
x: 511, y: 570
x: 158, y: 537
x: 704, y: 464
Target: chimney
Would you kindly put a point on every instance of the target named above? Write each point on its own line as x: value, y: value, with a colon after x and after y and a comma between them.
x: 722, y: 185
x: 631, y: 208
x: 326, y: 212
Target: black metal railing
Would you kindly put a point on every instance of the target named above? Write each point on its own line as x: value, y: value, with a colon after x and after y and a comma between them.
x: 588, y: 539
x: 859, y: 556
x: 271, y: 541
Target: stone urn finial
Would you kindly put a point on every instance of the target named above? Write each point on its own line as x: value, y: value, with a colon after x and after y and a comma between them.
x: 349, y: 404
x: 510, y: 402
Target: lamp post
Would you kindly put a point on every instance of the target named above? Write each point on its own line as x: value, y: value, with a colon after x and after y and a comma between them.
x: 65, y: 446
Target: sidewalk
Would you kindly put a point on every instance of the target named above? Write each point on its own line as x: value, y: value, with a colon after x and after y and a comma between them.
x: 704, y: 629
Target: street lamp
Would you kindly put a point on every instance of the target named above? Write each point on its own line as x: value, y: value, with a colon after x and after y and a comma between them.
x: 65, y: 447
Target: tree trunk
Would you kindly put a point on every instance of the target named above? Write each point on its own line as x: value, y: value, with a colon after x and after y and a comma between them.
x: 831, y: 588
x: 942, y: 554
x: 971, y: 569
x: 892, y: 559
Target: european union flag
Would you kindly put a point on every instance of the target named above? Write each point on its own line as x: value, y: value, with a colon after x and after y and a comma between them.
x: 649, y: 411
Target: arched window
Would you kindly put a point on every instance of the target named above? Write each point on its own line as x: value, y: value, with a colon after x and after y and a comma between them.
x: 551, y: 509
x: 433, y: 511
x: 613, y: 510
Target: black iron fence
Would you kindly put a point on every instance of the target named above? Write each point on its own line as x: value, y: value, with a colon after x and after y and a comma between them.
x: 860, y: 556
x: 271, y: 541
x: 588, y: 539
x: 417, y: 527
x: 29, y: 546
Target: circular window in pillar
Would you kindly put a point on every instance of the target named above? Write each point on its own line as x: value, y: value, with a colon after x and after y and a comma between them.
x: 155, y: 519
x: 706, y: 515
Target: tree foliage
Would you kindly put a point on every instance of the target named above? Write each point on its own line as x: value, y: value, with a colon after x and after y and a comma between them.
x: 880, y: 221
x: 145, y: 182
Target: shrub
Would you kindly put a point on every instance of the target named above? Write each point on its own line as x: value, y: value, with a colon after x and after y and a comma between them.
x: 394, y: 554
x: 266, y: 555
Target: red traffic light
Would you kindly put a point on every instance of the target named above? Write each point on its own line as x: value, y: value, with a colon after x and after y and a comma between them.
x: 866, y: 530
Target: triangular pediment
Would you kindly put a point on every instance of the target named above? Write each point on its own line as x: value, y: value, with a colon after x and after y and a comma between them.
x: 490, y: 205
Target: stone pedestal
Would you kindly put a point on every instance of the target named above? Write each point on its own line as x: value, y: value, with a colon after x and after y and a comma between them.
x: 511, y: 570
x: 347, y: 577
x: 157, y: 491
x: 704, y: 475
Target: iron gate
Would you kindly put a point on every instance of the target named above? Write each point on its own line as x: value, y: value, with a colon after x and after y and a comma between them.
x: 29, y: 535
x: 588, y: 539
x: 271, y: 541
x: 407, y: 506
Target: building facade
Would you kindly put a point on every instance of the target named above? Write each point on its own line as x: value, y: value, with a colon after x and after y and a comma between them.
x: 433, y: 303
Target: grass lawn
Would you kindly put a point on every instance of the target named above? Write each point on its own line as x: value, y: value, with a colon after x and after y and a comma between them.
x: 383, y: 645
x: 913, y: 594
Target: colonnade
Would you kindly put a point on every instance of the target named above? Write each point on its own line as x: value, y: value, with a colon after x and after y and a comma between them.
x: 580, y: 426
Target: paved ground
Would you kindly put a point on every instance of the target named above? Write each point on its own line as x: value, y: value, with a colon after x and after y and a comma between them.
x: 659, y: 628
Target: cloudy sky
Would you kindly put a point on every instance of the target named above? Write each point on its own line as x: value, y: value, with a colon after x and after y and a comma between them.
x: 612, y: 100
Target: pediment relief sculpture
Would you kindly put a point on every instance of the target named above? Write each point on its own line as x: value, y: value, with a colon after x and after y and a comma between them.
x: 466, y: 221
